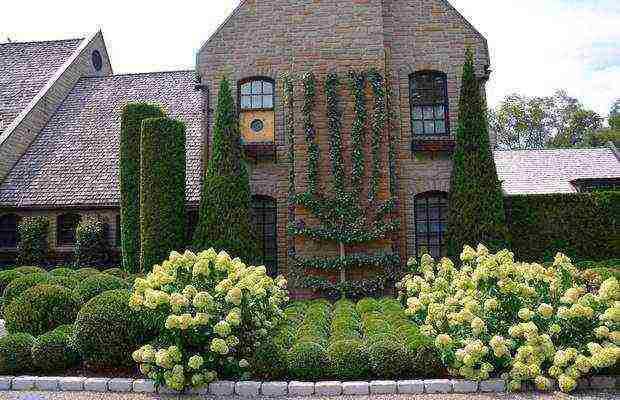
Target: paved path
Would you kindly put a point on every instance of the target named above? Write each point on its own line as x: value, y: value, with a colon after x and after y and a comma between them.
x: 610, y: 395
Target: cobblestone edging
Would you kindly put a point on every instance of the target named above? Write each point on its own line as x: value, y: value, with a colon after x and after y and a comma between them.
x: 280, y: 389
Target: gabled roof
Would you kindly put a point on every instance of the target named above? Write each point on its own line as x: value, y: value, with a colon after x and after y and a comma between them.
x: 552, y: 171
x: 74, y: 160
x: 25, y: 68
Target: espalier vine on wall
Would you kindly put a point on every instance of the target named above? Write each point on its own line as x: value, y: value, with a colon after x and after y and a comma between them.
x: 290, y: 135
x: 344, y: 217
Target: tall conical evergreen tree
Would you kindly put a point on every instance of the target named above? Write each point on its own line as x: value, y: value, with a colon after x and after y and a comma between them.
x: 224, y: 219
x: 476, y: 206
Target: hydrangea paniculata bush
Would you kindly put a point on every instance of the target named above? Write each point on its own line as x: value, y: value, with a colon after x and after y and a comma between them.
x: 526, y: 322
x: 215, y: 311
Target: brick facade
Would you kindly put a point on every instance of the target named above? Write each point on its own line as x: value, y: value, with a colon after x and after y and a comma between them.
x: 267, y: 39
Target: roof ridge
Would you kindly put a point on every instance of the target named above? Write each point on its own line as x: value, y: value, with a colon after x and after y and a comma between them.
x: 136, y: 74
x: 44, y: 41
x: 550, y: 150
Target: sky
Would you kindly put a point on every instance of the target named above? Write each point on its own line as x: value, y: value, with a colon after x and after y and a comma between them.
x: 537, y: 46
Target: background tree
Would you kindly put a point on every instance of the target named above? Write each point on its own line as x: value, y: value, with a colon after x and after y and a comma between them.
x: 131, y: 122
x: 162, y: 190
x: 476, y: 205
x: 224, y: 218
x: 614, y: 116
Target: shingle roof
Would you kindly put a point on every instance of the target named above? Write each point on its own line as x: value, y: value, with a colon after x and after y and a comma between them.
x: 74, y: 160
x: 24, y: 69
x: 551, y: 171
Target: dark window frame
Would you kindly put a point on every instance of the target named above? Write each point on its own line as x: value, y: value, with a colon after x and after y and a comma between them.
x: 445, y: 104
x: 262, y: 93
x: 66, y: 226
x: 9, y: 232
x: 422, y: 203
x: 262, y: 208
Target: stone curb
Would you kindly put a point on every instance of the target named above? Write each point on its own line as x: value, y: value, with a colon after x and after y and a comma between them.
x: 250, y: 389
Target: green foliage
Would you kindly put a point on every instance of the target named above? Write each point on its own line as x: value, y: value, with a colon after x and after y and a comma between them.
x: 476, y: 209
x: 91, y: 242
x: 53, y: 352
x: 116, y: 272
x: 15, y: 358
x: 124, y: 330
x: 62, y: 271
x: 33, y: 246
x: 94, y: 285
x: 349, y: 359
x: 41, y: 309
x: 388, y: 358
x: 162, y: 190
x: 83, y: 273
x: 23, y: 283
x: 308, y: 361
x: 131, y: 124
x: 224, y: 220
x: 7, y: 277
x: 585, y: 226
x: 269, y: 362
x: 29, y: 270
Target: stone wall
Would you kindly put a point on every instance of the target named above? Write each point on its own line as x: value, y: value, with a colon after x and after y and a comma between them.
x: 20, y: 136
x: 268, y: 38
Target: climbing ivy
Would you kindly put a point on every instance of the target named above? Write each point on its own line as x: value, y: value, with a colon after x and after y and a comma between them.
x: 357, y: 82
x: 309, y: 83
x: 334, y: 126
x: 378, y: 125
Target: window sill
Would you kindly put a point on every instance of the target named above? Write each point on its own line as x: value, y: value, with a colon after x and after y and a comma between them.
x: 433, y: 145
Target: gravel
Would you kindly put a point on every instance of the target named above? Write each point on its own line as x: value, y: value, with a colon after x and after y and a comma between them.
x: 599, y: 395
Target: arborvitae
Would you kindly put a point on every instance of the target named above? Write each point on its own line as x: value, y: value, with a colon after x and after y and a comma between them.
x: 476, y: 207
x: 224, y: 219
x: 131, y: 122
x: 162, y: 190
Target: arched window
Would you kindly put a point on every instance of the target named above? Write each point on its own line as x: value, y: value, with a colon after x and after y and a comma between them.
x: 264, y: 219
x: 8, y: 230
x: 256, y: 94
x: 66, y: 224
x: 428, y: 96
x: 430, y: 213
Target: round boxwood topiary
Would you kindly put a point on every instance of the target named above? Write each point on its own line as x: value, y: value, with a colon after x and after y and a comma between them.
x: 7, y: 277
x: 53, y: 352
x: 62, y: 271
x: 29, y: 270
x: 41, y: 309
x: 94, y: 285
x: 23, y: 283
x: 15, y: 358
x: 84, y: 273
x: 388, y: 359
x: 348, y: 359
x: 116, y: 272
x: 107, y: 330
x: 308, y: 361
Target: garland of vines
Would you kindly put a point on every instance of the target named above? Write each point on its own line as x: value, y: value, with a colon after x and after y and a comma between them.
x: 290, y: 135
x: 343, y: 217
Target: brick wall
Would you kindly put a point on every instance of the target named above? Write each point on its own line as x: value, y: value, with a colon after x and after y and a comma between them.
x: 18, y: 140
x: 264, y: 38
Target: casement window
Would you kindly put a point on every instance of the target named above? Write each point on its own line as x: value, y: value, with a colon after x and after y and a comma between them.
x: 66, y: 225
x: 264, y: 220
x: 430, y: 213
x: 256, y: 94
x: 8, y: 230
x: 428, y: 97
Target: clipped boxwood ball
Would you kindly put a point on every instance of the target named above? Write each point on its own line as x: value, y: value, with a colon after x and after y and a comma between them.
x: 349, y: 359
x: 107, y: 330
x: 7, y: 277
x: 116, y: 272
x: 83, y: 273
x: 94, y: 285
x: 269, y: 362
x: 308, y: 361
x: 41, y: 309
x: 62, y: 271
x: 388, y: 359
x: 52, y: 352
x: 23, y: 283
x: 15, y: 358
x: 29, y: 270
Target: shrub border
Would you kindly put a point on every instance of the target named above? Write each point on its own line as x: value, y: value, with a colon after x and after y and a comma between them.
x: 281, y: 389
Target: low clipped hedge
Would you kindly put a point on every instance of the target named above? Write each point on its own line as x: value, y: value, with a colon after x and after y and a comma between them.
x: 84, y: 273
x: 29, y: 270
x: 62, y: 271
x: 15, y: 357
x: 7, y: 277
x: 269, y: 362
x: 94, y: 285
x: 308, y: 361
x: 116, y: 272
x: 41, y: 309
x: 25, y: 282
x: 107, y: 330
x: 388, y: 359
x: 53, y: 351
x: 349, y: 359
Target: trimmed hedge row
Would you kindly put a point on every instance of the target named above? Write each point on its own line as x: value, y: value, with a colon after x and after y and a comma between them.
x: 584, y: 226
x: 162, y: 190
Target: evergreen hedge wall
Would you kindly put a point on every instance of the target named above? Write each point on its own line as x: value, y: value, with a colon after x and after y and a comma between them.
x: 131, y: 122
x: 584, y: 226
x: 162, y: 190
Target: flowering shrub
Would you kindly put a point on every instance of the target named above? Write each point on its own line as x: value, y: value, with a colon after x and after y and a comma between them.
x: 217, y: 311
x: 528, y: 321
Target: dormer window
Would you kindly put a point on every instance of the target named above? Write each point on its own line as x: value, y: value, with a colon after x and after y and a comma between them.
x: 256, y: 95
x: 428, y: 95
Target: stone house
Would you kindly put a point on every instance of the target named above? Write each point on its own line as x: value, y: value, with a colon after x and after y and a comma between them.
x: 60, y: 117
